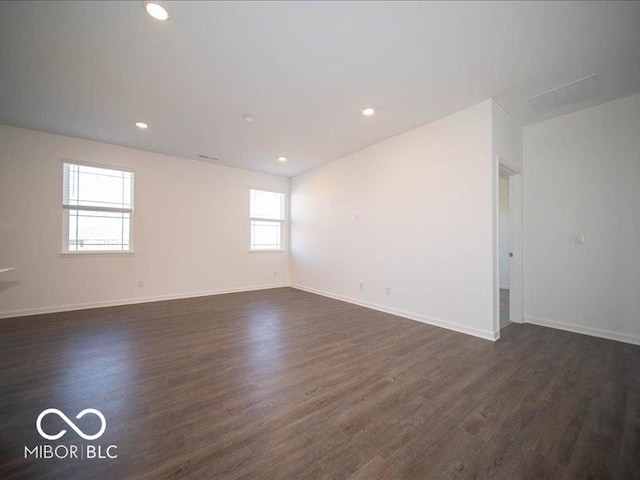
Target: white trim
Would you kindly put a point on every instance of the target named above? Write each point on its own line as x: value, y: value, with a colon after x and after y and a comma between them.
x: 476, y: 332
x: 495, y: 240
x: 261, y: 189
x: 504, y: 287
x: 85, y: 208
x: 96, y: 165
x: 506, y: 168
x: 132, y: 301
x: 594, y: 332
x: 96, y: 253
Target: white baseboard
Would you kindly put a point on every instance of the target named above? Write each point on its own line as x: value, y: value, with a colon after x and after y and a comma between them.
x: 476, y: 332
x: 594, y: 332
x: 132, y: 301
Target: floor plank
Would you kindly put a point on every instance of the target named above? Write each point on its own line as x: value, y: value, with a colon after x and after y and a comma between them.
x: 287, y: 384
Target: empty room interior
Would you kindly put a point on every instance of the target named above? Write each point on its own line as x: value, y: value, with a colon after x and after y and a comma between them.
x: 319, y: 240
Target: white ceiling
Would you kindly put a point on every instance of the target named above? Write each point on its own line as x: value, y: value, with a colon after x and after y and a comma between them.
x: 303, y: 70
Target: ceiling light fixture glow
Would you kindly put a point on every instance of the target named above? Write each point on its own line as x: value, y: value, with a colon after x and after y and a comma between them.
x: 368, y: 112
x: 157, y: 11
x: 282, y: 159
x: 247, y: 118
x: 142, y: 125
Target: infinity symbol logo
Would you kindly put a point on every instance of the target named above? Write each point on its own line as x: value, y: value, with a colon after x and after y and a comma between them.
x: 71, y: 424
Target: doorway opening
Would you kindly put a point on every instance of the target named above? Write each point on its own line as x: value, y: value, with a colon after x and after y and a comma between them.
x: 504, y: 251
x: 507, y: 291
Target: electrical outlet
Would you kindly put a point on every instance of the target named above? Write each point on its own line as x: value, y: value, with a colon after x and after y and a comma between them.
x: 275, y: 273
x: 361, y: 285
x: 387, y: 290
x: 140, y: 283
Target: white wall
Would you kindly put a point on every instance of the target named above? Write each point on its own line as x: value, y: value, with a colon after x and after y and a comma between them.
x: 503, y: 207
x: 413, y: 213
x: 507, y: 139
x: 583, y: 177
x: 190, y: 230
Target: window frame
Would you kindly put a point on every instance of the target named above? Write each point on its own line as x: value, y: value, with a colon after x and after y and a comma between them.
x: 282, y: 222
x: 65, y: 212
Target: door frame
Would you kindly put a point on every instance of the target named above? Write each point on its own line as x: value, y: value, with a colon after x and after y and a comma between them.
x: 516, y: 301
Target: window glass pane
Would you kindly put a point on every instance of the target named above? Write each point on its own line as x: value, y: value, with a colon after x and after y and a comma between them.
x: 266, y: 205
x: 97, y: 187
x: 90, y: 230
x: 266, y: 235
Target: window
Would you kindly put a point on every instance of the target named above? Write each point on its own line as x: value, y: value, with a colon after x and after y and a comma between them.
x: 97, y: 205
x: 266, y: 212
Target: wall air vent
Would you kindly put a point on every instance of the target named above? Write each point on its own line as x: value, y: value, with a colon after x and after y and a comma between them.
x: 569, y: 94
x: 208, y: 157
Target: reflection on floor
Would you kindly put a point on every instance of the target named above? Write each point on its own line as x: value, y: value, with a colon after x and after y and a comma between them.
x: 504, y: 308
x: 282, y: 384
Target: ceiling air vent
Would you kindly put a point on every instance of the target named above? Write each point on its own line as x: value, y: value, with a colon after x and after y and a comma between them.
x: 208, y: 157
x: 567, y: 95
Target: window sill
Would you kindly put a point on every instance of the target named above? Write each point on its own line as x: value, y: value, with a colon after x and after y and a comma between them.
x: 97, y: 253
x: 268, y: 250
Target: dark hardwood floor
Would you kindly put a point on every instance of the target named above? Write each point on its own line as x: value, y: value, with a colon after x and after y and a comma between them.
x: 283, y: 384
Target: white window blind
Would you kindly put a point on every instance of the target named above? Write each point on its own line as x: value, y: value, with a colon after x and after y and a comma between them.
x: 267, y: 215
x: 98, y: 206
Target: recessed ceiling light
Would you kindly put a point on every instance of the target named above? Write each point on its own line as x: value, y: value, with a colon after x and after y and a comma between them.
x: 367, y: 112
x: 282, y: 159
x: 142, y: 125
x: 247, y: 118
x: 157, y: 10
